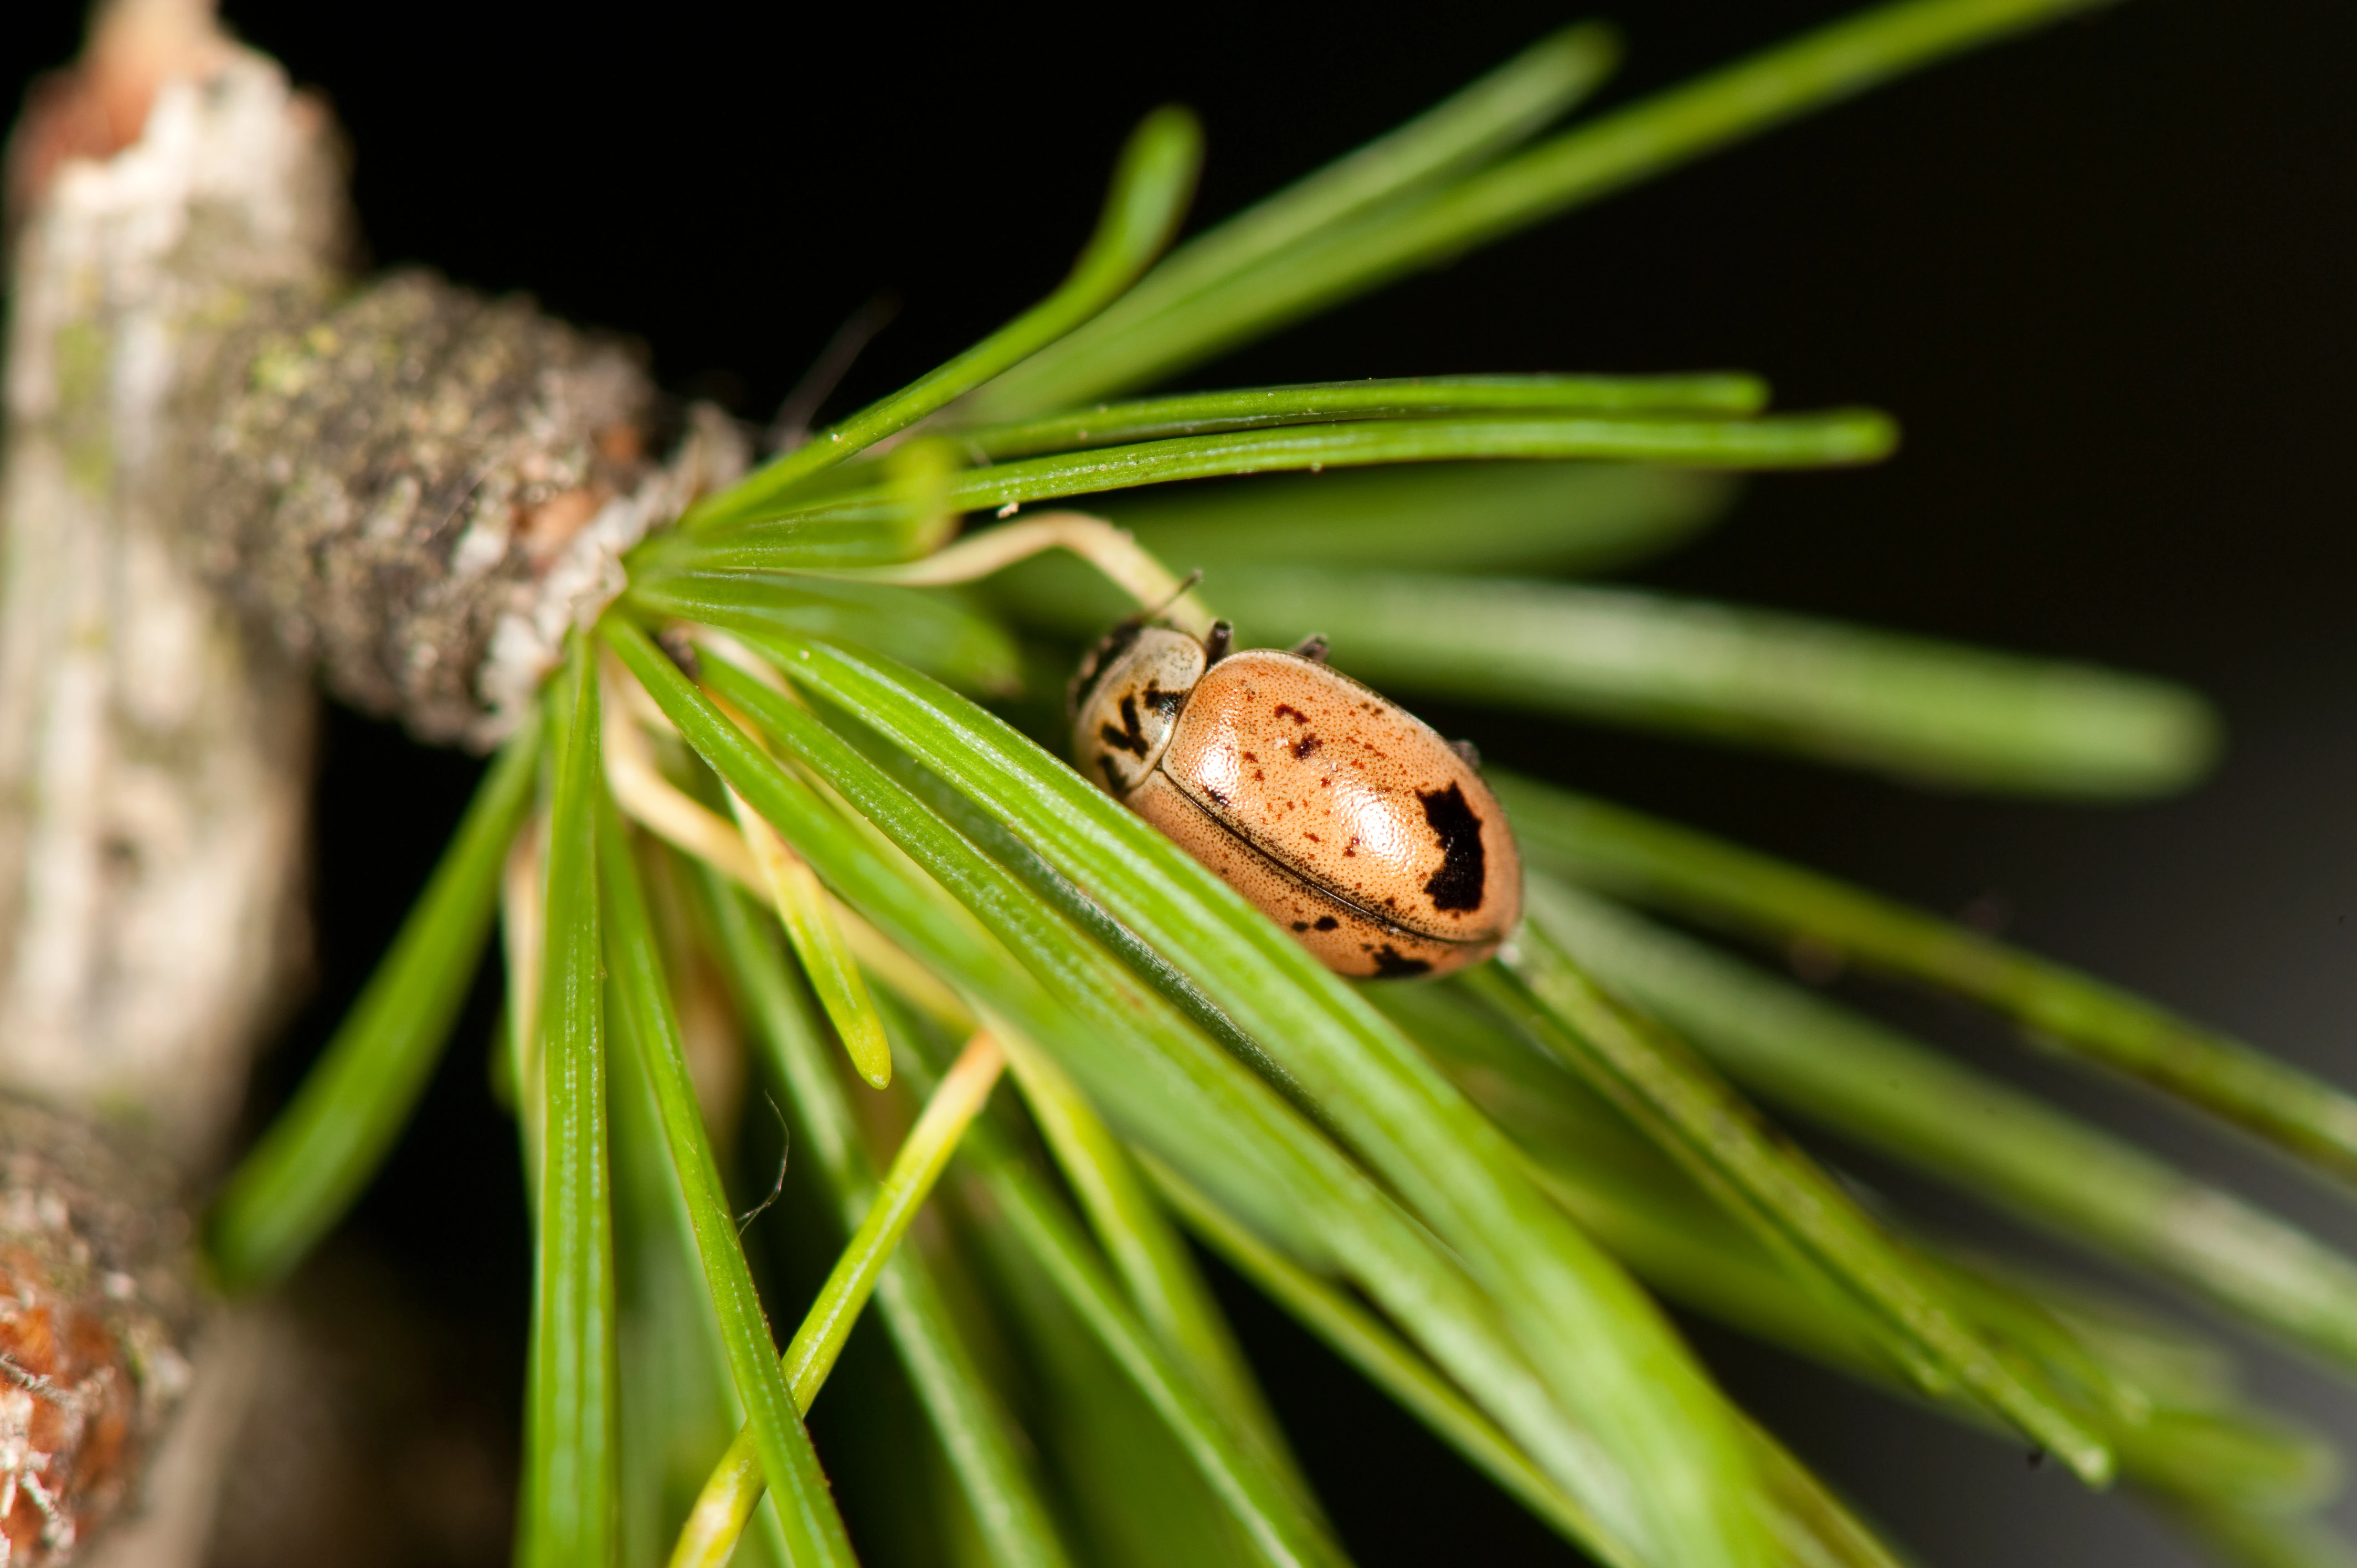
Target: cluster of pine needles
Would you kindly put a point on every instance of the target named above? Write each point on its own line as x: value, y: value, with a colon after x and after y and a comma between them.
x: 791, y: 827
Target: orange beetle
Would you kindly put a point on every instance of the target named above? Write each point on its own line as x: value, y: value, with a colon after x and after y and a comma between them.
x: 1344, y: 817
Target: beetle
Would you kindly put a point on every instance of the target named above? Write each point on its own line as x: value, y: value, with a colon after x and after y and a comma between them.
x: 1344, y: 817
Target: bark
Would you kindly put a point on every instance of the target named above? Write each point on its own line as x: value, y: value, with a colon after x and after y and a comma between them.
x: 154, y: 750
x: 383, y: 483
x: 93, y: 1272
x: 228, y: 467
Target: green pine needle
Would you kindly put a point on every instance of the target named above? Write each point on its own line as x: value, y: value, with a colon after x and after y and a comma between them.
x: 1805, y: 441
x: 983, y: 1449
x: 1259, y: 293
x: 1779, y: 1193
x: 567, y: 1509
x: 813, y: 1529
x: 1200, y: 414
x: 1623, y: 852
x: 1881, y: 1090
x: 1923, y: 710
x: 1459, y: 1187
x: 322, y: 1150
x: 1150, y: 191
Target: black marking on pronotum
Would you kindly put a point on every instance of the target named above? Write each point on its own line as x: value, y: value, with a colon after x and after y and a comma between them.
x: 1391, y: 964
x: 1457, y: 885
x: 1113, y: 779
x: 1131, y: 736
x: 1085, y: 680
x: 1167, y: 704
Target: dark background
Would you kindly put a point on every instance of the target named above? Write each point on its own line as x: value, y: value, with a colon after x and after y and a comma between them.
x: 2102, y: 277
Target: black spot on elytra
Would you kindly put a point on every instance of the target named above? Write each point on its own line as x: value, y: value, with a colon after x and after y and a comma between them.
x: 1287, y: 711
x: 1391, y: 965
x: 1305, y: 746
x: 1301, y: 924
x: 1326, y: 922
x: 1463, y: 862
x: 1131, y: 736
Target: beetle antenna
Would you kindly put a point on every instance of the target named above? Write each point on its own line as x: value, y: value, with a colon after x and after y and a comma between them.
x: 792, y: 425
x: 1186, y: 585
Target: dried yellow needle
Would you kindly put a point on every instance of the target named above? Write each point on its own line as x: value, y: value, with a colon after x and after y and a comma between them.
x: 733, y: 1488
x: 801, y: 905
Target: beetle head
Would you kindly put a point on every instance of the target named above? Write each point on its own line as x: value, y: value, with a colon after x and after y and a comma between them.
x: 1126, y: 699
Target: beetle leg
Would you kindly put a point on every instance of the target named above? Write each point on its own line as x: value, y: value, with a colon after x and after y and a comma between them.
x: 1218, y: 642
x: 674, y: 641
x: 1312, y: 648
x: 1469, y: 751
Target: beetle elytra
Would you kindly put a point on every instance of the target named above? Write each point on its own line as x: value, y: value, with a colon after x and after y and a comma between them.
x: 1342, y: 816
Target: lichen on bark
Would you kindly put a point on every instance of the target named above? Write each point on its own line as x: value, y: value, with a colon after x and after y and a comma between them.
x: 383, y: 481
